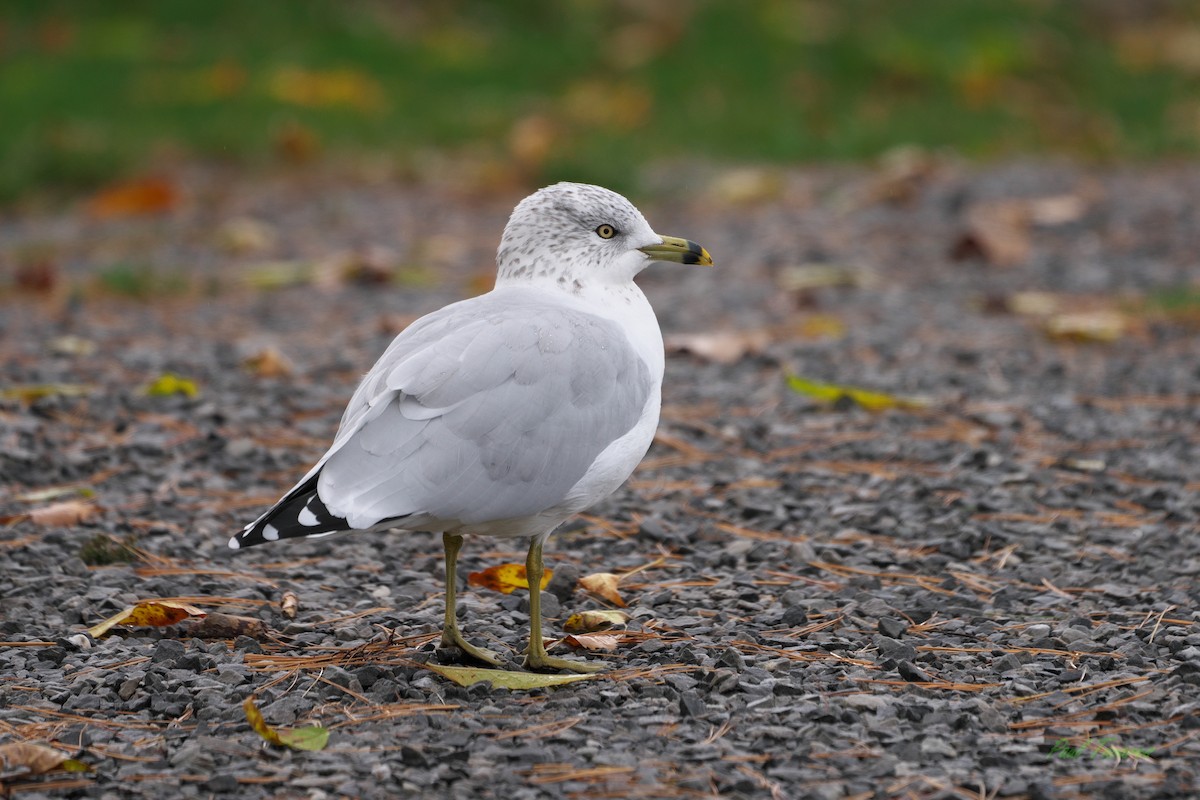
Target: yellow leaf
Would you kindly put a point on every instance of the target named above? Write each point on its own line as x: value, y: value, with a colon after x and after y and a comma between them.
x: 591, y: 621
x: 503, y: 679
x: 169, y: 383
x: 148, y: 613
x: 603, y: 584
x: 505, y: 578
x: 606, y: 642
x: 30, y: 758
x: 310, y: 737
x: 29, y: 393
x: 832, y: 393
x: 346, y: 88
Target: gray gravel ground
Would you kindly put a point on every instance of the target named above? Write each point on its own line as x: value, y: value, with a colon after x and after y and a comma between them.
x: 972, y: 598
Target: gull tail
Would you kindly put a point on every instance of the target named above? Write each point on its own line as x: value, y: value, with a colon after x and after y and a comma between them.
x: 299, y: 513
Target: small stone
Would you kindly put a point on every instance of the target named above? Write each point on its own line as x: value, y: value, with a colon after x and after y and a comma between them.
x: 911, y: 673
x: 732, y: 659
x: 795, y: 616
x: 892, y: 627
x: 692, y: 705
x: 167, y: 650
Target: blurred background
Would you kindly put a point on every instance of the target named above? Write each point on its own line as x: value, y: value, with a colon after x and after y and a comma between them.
x: 534, y: 90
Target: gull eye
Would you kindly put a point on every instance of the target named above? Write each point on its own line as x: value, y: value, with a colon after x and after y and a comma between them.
x: 606, y: 231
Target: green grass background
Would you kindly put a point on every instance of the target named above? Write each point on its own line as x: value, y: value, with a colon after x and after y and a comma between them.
x: 90, y: 91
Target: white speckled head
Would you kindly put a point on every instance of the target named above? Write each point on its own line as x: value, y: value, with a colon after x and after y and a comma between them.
x: 571, y: 234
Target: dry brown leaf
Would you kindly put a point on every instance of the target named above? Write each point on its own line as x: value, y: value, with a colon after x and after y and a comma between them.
x: 504, y: 578
x: 606, y: 642
x: 289, y: 605
x: 1087, y: 326
x: 148, y: 613
x: 603, y: 584
x: 997, y: 232
x: 30, y: 758
x: 721, y: 347
x: 144, y: 196
x: 592, y: 621
x: 66, y: 513
x: 746, y: 186
x: 243, y: 235
x: 269, y: 362
x: 1057, y: 209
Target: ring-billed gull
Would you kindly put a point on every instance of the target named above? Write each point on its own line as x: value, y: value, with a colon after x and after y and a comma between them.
x: 507, y: 413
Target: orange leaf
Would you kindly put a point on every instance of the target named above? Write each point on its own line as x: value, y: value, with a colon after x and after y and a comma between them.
x: 150, y: 613
x: 504, y: 578
x: 606, y: 642
x: 144, y: 196
x: 603, y: 584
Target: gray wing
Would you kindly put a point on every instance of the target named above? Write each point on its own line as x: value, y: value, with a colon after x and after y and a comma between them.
x: 486, y: 410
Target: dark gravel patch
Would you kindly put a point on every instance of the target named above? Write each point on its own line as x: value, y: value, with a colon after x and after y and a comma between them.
x: 928, y: 603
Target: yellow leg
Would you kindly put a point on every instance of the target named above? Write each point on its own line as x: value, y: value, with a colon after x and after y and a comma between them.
x: 536, y: 657
x: 451, y: 636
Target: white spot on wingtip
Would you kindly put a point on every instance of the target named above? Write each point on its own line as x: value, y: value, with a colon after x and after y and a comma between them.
x: 234, y: 544
x: 270, y: 533
x: 306, y: 517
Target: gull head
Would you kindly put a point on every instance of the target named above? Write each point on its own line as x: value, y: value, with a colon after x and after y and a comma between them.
x: 575, y: 234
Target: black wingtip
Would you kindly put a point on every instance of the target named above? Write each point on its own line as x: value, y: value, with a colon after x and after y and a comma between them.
x: 300, y: 513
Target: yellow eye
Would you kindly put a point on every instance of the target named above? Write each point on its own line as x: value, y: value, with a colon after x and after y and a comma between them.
x: 606, y: 231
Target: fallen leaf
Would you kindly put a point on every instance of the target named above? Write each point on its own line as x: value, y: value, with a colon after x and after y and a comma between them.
x: 42, y: 495
x: 72, y: 346
x: 721, y: 347
x: 505, y: 578
x: 1057, y: 209
x: 31, y: 392
x: 805, y: 277
x: 603, y: 584
x: 229, y: 626
x: 746, y: 186
x: 833, y: 393
x: 289, y: 604
x: 68, y: 512
x: 605, y: 642
x: 309, y: 88
x: 40, y: 276
x: 310, y: 737
x: 144, y: 196
x: 169, y: 384
x: 246, y: 235
x: 997, y: 232
x: 296, y: 143
x: 504, y: 679
x: 30, y: 758
x: 591, y: 621
x: 278, y: 275
x: 148, y: 613
x: 1087, y: 326
x: 269, y: 363
x: 821, y: 326
x: 64, y: 514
